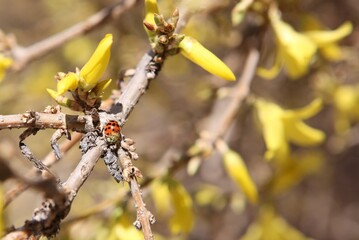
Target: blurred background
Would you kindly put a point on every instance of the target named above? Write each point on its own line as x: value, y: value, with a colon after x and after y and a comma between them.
x: 319, y: 201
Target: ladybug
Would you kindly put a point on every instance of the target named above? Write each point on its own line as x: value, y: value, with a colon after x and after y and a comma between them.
x: 112, y: 131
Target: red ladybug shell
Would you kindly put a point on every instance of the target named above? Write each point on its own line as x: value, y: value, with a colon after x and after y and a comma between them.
x: 112, y: 128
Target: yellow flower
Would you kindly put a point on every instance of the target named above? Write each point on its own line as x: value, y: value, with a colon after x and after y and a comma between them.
x: 238, y: 171
x: 96, y: 66
x: 299, y: 167
x: 194, y: 51
x: 346, y: 103
x: 168, y: 193
x: 269, y: 225
x: 281, y: 126
x: 123, y: 229
x: 161, y: 196
x: 5, y: 63
x: 183, y: 219
x: 69, y: 82
x: 87, y: 79
x: 295, y: 50
x: 326, y: 40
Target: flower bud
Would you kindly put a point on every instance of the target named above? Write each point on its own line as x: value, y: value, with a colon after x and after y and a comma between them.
x: 96, y: 66
x: 194, y: 51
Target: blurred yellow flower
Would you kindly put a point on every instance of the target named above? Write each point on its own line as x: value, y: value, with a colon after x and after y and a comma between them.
x: 295, y: 51
x: 326, y: 40
x: 5, y: 63
x: 170, y: 197
x: 346, y: 103
x: 270, y: 225
x: 183, y: 219
x: 301, y: 165
x: 161, y: 196
x: 281, y: 126
x: 123, y: 229
x: 238, y: 171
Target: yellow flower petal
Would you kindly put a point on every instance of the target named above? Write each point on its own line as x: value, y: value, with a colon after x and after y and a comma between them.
x: 306, y: 112
x: 207, y: 195
x: 183, y: 219
x: 332, y: 52
x: 161, y: 196
x: 270, y: 115
x: 283, y: 126
x: 52, y: 93
x: 346, y: 102
x: 238, y: 171
x: 69, y: 82
x: 273, y: 71
x: 316, y: 31
x: 301, y: 134
x: 322, y: 38
x: 239, y: 11
x: 97, y: 64
x: 61, y: 100
x: 5, y: 63
x: 194, y: 51
x: 101, y: 87
x: 300, y: 166
x: 124, y: 230
x: 297, y: 131
x: 297, y: 50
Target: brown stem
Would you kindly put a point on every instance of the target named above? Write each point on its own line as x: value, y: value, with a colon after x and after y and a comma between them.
x: 144, y: 217
x: 23, y: 55
x: 49, y: 160
x: 44, y: 120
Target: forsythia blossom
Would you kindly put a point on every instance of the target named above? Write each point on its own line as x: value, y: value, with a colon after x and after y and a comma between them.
x: 281, y: 126
x: 170, y: 196
x: 85, y: 82
x: 295, y: 50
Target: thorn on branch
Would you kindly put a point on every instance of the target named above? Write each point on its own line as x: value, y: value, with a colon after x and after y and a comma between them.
x: 54, y: 141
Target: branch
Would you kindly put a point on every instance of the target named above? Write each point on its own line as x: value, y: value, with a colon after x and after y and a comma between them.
x: 130, y: 174
x: 123, y: 106
x: 23, y: 55
x: 49, y: 160
x: 238, y: 93
x: 44, y: 120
